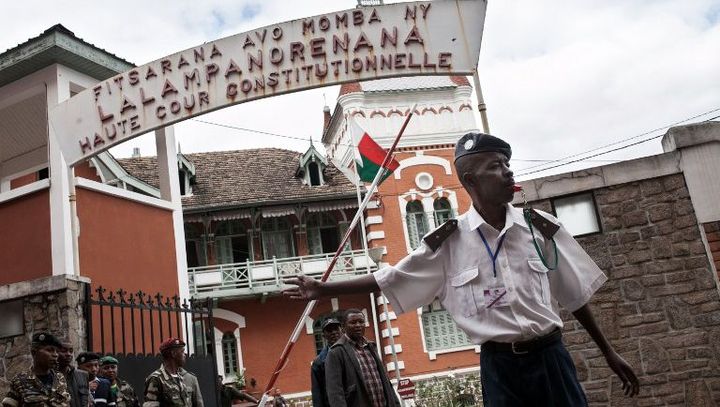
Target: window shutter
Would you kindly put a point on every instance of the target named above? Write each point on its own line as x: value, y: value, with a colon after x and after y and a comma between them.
x: 441, y: 332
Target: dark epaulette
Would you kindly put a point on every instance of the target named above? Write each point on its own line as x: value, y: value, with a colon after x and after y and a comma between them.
x: 435, y: 239
x: 546, y: 227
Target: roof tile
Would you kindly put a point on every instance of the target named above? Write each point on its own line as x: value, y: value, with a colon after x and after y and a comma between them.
x: 242, y: 178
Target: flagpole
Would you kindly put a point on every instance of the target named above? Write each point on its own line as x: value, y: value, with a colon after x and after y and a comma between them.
x: 310, y: 305
x: 367, y: 255
x: 388, y: 324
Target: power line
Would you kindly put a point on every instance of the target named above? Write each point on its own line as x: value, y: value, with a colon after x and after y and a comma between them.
x: 549, y: 160
x: 594, y: 155
x: 613, y: 143
x: 228, y: 126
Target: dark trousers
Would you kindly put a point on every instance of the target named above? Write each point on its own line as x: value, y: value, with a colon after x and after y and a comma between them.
x: 543, y: 377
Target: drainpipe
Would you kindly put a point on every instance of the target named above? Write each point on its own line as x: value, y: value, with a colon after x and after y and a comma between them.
x: 74, y: 222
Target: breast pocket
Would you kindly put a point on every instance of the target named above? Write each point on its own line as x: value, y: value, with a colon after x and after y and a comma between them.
x: 541, y: 284
x: 461, y: 290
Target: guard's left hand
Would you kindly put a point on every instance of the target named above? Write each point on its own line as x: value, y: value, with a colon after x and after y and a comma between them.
x: 630, y: 383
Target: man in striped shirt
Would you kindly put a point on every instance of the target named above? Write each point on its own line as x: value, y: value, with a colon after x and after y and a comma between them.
x: 354, y: 374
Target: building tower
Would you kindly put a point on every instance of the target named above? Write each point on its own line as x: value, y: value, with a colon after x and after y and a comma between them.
x: 420, y: 195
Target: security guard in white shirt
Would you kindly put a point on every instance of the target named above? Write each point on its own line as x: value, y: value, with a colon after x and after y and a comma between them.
x: 501, y: 272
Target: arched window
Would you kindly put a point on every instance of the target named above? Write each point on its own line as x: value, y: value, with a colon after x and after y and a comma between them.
x: 230, y: 354
x: 440, y: 330
x: 231, y: 242
x: 442, y: 211
x: 277, y: 238
x: 314, y: 172
x: 323, y: 234
x: 417, y: 224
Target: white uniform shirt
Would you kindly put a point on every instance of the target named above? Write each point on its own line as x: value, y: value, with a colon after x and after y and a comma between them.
x: 461, y: 269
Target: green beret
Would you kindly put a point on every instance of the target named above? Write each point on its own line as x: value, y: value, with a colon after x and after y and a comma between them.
x: 473, y: 143
x: 108, y: 360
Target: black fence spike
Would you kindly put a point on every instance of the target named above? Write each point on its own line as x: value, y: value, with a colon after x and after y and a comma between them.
x: 121, y: 294
x: 100, y: 291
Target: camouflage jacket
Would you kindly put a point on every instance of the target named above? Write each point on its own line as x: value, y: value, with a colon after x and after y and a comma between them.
x: 165, y: 390
x: 126, y: 396
x: 26, y: 390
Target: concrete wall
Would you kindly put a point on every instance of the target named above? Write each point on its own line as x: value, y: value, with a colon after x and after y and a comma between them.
x: 50, y: 304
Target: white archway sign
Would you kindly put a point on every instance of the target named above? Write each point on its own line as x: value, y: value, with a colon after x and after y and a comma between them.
x: 403, y: 39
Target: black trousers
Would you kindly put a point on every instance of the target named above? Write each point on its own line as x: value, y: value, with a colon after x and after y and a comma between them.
x: 543, y: 377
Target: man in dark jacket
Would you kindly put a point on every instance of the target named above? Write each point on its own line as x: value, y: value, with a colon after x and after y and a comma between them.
x: 354, y: 374
x: 100, y: 395
x: 77, y: 380
x: 331, y: 332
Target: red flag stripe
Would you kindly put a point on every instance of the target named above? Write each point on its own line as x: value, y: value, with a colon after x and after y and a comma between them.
x: 373, y: 152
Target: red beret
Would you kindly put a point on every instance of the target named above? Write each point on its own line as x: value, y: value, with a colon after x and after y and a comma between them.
x: 171, y: 343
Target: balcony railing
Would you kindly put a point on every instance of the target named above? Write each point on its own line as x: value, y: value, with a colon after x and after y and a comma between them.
x: 259, y: 277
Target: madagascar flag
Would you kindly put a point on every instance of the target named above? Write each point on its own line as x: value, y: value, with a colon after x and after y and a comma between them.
x: 369, y: 155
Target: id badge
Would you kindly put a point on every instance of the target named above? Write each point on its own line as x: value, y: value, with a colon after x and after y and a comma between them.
x: 495, y: 297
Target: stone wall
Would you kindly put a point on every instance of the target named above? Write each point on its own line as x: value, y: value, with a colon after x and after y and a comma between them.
x: 660, y: 307
x: 52, y: 304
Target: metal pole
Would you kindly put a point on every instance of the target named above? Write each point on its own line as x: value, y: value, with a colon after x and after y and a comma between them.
x: 482, y: 108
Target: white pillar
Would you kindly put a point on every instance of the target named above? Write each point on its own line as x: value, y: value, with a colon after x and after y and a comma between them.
x: 61, y: 236
x: 170, y: 191
x: 218, y: 337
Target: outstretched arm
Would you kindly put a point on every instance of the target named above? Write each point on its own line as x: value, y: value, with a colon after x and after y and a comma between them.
x: 630, y: 383
x: 308, y: 288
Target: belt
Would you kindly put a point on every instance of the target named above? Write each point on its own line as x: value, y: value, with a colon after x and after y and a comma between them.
x: 523, y: 347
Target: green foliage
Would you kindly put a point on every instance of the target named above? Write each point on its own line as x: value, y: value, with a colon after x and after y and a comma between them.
x: 239, y: 381
x: 449, y: 391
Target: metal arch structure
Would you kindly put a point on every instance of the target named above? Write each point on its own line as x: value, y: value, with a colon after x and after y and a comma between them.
x: 391, y: 40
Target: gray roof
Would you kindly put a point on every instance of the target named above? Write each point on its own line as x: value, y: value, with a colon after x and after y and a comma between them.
x: 246, y: 178
x: 408, y: 83
x: 59, y: 45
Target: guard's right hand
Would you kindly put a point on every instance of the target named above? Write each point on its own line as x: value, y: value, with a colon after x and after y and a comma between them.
x: 306, y: 288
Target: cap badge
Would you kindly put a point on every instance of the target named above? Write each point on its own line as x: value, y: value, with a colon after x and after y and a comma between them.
x: 469, y: 144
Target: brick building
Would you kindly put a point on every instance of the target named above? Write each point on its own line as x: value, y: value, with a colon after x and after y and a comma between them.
x: 253, y: 218
x: 651, y: 224
x: 230, y: 225
x: 420, y: 195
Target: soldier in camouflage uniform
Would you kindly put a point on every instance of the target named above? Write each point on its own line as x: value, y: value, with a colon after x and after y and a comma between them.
x: 39, y: 386
x: 171, y: 385
x: 122, y: 391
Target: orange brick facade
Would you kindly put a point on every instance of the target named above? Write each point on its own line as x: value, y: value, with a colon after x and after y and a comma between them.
x: 416, y: 360
x: 268, y: 325
x: 712, y: 233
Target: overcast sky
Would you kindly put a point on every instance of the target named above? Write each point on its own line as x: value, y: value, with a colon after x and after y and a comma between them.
x: 559, y: 77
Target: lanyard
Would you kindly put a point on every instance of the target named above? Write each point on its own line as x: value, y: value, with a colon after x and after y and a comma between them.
x: 492, y: 255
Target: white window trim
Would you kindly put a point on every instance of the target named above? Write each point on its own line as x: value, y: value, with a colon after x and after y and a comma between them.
x: 427, y: 199
x: 432, y: 355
